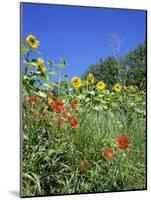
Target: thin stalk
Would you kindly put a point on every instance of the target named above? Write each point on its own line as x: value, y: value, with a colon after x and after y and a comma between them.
x: 60, y: 79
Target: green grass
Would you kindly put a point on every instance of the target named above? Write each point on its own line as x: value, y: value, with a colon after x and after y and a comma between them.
x: 53, y: 156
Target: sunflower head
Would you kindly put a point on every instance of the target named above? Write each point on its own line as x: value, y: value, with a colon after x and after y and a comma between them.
x: 76, y: 82
x: 101, y: 85
x: 117, y: 87
x: 90, y: 78
x: 40, y: 63
x: 32, y: 41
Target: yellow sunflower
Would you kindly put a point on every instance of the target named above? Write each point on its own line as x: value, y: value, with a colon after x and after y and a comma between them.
x: 90, y: 78
x: 101, y: 85
x: 117, y: 87
x: 76, y: 82
x: 40, y: 63
x: 32, y: 41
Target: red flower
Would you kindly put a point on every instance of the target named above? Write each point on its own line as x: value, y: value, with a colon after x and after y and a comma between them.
x: 74, y: 106
x: 122, y: 142
x: 60, y: 122
x: 74, y: 122
x: 57, y: 106
x: 32, y: 100
x: 67, y: 114
x: 108, y: 153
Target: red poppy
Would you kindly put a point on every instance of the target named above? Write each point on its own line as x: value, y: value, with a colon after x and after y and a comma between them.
x: 74, y: 122
x: 74, y: 106
x: 37, y: 98
x: 32, y: 100
x: 67, y: 114
x: 57, y: 106
x: 108, y: 153
x: 60, y: 122
x: 122, y: 142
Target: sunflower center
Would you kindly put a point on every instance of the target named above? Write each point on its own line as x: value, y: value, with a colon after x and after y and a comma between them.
x: 32, y: 41
x: 76, y: 82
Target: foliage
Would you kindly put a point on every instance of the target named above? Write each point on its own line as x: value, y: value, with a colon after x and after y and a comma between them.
x: 136, y: 62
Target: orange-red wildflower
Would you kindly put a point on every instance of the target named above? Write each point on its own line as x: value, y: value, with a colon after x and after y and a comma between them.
x: 67, y: 114
x: 57, y: 106
x: 74, y: 122
x: 33, y: 100
x: 74, y: 106
x: 108, y: 153
x: 122, y: 142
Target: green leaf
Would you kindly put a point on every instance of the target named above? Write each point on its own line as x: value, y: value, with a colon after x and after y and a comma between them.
x: 51, y: 151
x: 24, y: 49
x: 92, y: 93
x: 54, y: 84
x: 97, y: 107
x: 50, y: 62
x: 30, y: 64
x: 47, y: 85
x: 42, y: 94
x: 54, y: 73
x: 25, y: 77
x: 61, y: 65
x: 87, y: 99
x: 47, y: 78
x: 32, y: 75
x: 114, y: 104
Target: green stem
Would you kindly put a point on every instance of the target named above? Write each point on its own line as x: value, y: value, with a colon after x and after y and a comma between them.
x: 91, y: 96
x: 59, y: 87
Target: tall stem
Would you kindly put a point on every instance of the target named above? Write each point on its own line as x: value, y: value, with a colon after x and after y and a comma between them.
x: 60, y: 79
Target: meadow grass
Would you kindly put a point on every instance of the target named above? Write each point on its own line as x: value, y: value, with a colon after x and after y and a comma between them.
x: 62, y: 160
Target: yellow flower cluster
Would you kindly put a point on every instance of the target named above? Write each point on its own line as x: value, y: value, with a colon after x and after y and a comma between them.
x: 77, y: 83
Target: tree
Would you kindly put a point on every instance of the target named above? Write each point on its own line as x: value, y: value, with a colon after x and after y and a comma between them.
x: 136, y: 66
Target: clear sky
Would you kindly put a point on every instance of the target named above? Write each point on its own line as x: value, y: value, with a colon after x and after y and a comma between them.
x: 81, y: 34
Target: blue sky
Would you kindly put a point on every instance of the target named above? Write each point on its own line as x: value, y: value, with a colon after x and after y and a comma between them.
x: 79, y: 34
